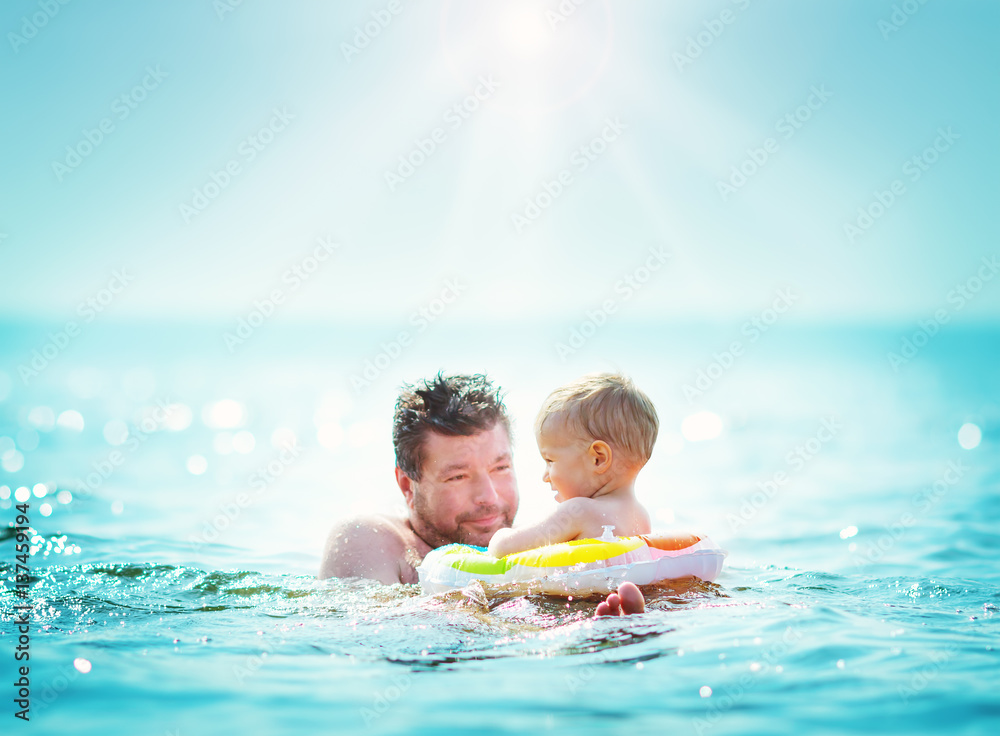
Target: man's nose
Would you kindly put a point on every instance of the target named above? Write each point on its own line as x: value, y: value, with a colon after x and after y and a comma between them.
x: 485, y: 493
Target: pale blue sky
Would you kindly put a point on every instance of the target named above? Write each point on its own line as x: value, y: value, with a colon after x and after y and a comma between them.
x: 683, y: 127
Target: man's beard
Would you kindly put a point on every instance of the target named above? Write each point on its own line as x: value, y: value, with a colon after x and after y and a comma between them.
x: 437, y: 536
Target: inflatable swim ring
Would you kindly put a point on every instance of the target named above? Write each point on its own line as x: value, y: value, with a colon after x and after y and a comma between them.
x: 579, y: 567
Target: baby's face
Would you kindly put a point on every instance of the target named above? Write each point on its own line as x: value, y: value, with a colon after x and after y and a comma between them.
x: 567, y: 469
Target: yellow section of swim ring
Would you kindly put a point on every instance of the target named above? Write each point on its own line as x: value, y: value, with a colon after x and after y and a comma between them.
x: 567, y: 554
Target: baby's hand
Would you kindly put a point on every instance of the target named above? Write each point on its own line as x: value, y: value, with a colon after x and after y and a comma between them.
x: 496, y: 547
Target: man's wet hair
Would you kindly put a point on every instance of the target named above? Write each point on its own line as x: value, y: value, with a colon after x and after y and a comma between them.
x: 460, y: 405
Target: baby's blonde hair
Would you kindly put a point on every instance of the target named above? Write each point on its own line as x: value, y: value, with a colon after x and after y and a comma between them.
x: 608, y: 407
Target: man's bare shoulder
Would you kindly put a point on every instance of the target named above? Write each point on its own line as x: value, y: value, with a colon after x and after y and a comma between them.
x: 372, y: 547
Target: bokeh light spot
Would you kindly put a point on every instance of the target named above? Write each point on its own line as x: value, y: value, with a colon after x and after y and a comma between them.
x: 115, y: 432
x: 969, y: 436
x: 42, y: 418
x: 12, y: 461
x: 197, y: 464
x: 27, y: 440
x: 224, y: 414
x: 704, y: 425
x: 244, y: 442
x: 70, y: 419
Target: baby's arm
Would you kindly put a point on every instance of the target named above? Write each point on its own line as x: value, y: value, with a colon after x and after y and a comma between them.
x: 567, y: 522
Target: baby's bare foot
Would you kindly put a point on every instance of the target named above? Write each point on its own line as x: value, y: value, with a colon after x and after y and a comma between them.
x: 627, y: 600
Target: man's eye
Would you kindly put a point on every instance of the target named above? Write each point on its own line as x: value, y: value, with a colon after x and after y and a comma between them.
x: 455, y: 477
x: 502, y: 467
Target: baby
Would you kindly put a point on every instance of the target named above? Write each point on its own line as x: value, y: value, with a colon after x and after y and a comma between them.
x: 595, y: 435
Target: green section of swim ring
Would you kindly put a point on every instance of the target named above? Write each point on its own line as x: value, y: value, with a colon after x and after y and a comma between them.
x: 472, y: 560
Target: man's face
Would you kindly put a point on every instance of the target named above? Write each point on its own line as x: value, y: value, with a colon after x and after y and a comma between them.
x: 467, y: 490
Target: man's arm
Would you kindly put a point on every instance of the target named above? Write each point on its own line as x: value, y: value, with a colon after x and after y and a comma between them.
x: 368, y: 547
x: 564, y: 524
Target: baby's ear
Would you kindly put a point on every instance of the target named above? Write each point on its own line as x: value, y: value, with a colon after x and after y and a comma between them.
x: 601, y: 455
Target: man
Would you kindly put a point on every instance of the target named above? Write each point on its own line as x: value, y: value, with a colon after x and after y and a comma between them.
x: 454, y: 468
x: 455, y: 471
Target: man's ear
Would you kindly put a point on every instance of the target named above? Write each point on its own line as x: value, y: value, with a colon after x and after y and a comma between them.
x: 405, y: 484
x: 599, y: 454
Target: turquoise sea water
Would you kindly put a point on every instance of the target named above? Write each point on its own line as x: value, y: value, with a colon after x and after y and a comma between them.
x: 177, y: 595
